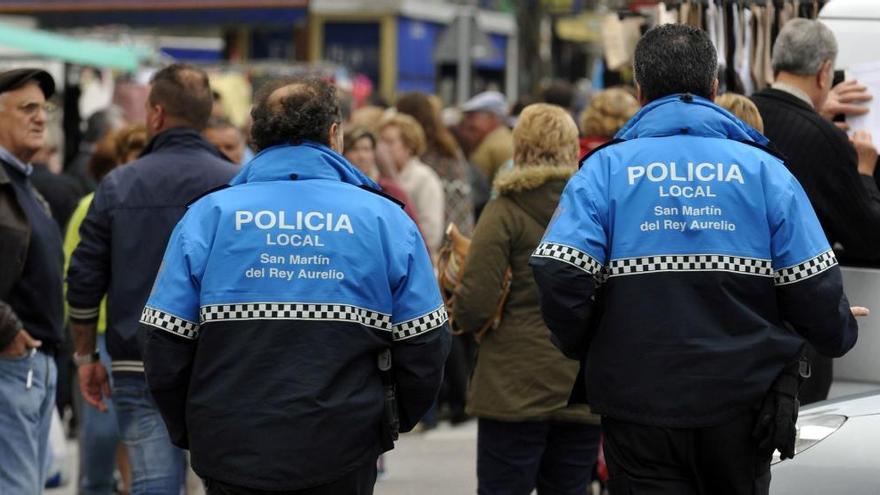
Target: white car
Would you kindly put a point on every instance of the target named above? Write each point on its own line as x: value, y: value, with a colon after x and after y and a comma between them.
x: 837, y: 452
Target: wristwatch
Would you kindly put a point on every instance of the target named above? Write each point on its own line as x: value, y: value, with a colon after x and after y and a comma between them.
x: 90, y: 358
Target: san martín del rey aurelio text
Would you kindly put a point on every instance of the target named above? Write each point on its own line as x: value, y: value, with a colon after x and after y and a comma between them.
x: 695, y: 183
x: 299, y: 229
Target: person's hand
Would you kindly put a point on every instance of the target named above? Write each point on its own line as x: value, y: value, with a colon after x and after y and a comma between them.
x: 861, y: 141
x: 846, y: 98
x: 858, y: 311
x: 20, y: 345
x: 94, y: 385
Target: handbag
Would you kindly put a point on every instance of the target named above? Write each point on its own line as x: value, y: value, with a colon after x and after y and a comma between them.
x: 450, y: 268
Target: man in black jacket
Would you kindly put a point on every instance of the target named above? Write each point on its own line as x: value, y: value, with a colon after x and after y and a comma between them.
x: 31, y: 310
x: 123, y: 240
x: 836, y: 172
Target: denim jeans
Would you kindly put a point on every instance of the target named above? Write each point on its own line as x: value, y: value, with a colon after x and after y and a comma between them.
x: 99, y: 436
x: 26, y: 407
x: 158, y: 467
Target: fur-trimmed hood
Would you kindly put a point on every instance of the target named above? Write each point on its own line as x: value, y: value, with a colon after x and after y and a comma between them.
x: 535, y: 189
x: 519, y: 179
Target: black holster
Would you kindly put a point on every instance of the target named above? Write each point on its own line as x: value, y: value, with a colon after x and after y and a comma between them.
x: 390, y: 419
x: 776, y: 425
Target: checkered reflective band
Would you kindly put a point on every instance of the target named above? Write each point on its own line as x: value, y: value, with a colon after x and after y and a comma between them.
x: 417, y: 326
x: 807, y: 269
x: 170, y: 323
x: 296, y: 311
x: 690, y: 263
x: 570, y: 255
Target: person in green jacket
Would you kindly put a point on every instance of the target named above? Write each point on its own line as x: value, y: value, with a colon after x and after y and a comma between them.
x: 528, y: 435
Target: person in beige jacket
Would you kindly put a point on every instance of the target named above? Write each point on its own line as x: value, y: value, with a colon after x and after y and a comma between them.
x: 528, y: 435
x: 402, y: 139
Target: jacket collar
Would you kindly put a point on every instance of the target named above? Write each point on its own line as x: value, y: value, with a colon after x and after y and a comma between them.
x: 527, y: 178
x: 308, y: 160
x: 181, y: 137
x: 794, y: 91
x: 7, y: 157
x: 785, y: 96
x: 687, y: 114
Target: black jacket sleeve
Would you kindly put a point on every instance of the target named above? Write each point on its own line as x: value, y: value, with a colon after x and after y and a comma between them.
x: 856, y: 225
x: 421, y: 341
x: 168, y: 365
x: 9, y: 325
x: 89, y: 273
x: 568, y: 296
x: 418, y: 373
x: 818, y: 309
x: 809, y: 286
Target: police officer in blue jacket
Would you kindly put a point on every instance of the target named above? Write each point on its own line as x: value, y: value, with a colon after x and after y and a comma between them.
x: 275, y: 299
x: 681, y: 256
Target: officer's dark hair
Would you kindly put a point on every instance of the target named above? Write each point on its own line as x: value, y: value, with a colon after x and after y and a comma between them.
x: 183, y: 90
x: 305, y: 111
x: 675, y: 58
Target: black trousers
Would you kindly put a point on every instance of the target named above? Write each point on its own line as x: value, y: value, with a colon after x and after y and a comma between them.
x: 554, y: 457
x: 718, y: 460
x: 359, y: 482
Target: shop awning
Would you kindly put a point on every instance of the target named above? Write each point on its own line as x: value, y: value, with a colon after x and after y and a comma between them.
x: 70, y: 49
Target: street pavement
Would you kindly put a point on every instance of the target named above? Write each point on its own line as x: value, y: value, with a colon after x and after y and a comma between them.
x: 438, y: 462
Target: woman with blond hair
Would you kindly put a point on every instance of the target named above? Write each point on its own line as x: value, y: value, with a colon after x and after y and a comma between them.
x: 528, y: 435
x: 743, y: 108
x: 402, y: 139
x: 608, y: 111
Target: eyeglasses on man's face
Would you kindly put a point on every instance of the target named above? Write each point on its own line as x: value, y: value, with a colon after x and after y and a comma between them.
x: 30, y: 109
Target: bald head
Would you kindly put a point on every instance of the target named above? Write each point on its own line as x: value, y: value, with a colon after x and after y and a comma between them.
x: 291, y: 111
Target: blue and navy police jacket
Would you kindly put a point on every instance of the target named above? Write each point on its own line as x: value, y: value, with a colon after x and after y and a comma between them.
x: 263, y: 328
x: 685, y: 266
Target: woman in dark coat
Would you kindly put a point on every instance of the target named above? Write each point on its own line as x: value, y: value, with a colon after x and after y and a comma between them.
x: 528, y: 435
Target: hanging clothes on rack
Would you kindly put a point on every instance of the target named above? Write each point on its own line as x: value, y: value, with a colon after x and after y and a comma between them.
x: 743, y: 33
x: 757, y: 64
x: 769, y: 18
x: 721, y: 30
x: 746, y: 50
x: 786, y: 13
x: 695, y: 15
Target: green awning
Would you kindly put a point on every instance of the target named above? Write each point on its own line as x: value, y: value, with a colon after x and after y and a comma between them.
x: 70, y: 49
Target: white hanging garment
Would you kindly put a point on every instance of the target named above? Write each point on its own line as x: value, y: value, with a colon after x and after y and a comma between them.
x: 745, y: 69
x: 721, y: 33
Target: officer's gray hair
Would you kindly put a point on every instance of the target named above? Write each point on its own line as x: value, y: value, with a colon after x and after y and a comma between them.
x: 802, y: 47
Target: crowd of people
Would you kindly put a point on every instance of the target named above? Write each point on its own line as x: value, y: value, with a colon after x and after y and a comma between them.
x: 180, y: 339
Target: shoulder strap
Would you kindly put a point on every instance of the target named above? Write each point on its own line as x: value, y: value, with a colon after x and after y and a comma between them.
x: 602, y: 147
x: 770, y: 149
x: 209, y: 191
x: 383, y: 194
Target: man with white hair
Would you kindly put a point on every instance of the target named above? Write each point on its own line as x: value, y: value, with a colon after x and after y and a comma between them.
x: 836, y: 172
x: 31, y: 309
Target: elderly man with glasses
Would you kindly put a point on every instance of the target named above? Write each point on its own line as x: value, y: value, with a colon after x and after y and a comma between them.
x: 31, y: 262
